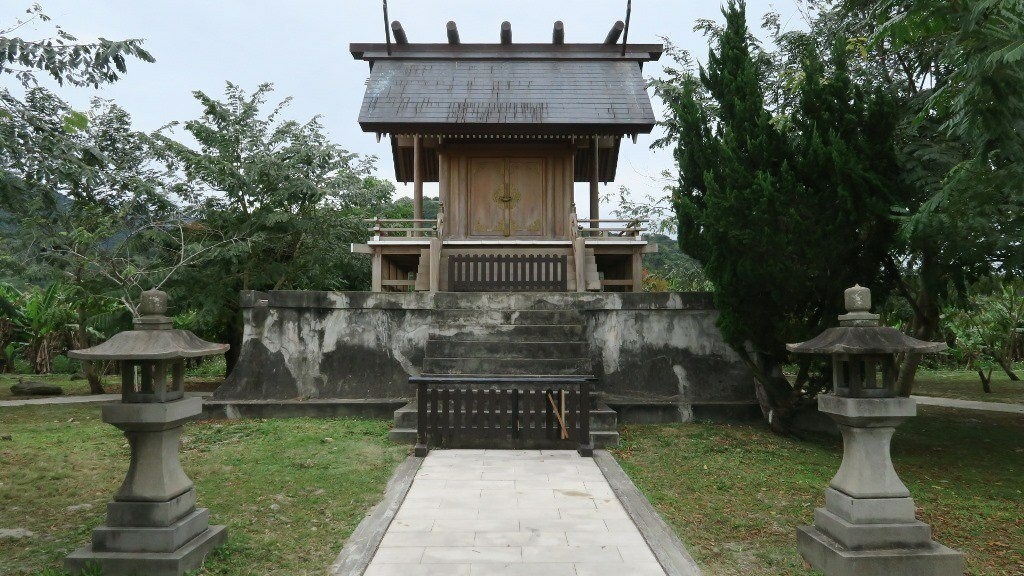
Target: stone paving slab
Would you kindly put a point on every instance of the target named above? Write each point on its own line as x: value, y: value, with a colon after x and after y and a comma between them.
x: 970, y: 404
x: 84, y: 399
x: 512, y: 512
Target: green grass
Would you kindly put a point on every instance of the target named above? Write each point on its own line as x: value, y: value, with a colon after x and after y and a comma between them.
x: 735, y: 493
x: 290, y: 498
x: 965, y: 385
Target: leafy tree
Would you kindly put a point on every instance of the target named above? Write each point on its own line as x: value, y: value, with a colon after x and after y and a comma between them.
x: 987, y: 331
x: 961, y: 146
x: 786, y: 206
x: 294, y: 199
x: 81, y: 194
x: 63, y: 57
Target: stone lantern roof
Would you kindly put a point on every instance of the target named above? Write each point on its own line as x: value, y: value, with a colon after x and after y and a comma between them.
x: 152, y: 339
x: 859, y: 333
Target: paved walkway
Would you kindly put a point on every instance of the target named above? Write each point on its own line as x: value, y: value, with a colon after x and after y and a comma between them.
x: 85, y: 399
x: 505, y: 512
x: 970, y: 404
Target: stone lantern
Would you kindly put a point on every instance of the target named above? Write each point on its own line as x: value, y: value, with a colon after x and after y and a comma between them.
x: 868, y: 527
x: 153, y: 526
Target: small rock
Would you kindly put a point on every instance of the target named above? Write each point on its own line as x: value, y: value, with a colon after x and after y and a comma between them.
x: 32, y: 388
x: 327, y: 440
x: 275, y: 507
x: 15, y: 533
x: 79, y: 507
x: 7, y: 437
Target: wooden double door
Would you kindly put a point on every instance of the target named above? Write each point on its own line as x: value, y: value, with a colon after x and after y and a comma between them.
x: 507, y: 197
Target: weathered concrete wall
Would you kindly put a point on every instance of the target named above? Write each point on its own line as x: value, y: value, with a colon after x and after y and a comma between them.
x: 656, y: 349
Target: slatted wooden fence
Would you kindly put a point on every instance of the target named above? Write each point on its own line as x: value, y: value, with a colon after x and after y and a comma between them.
x: 507, y: 272
x: 526, y: 412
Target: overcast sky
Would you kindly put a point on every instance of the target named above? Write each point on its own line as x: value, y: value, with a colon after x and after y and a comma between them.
x: 302, y: 48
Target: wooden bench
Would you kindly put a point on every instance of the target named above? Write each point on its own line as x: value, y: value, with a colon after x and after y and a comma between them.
x: 503, y: 412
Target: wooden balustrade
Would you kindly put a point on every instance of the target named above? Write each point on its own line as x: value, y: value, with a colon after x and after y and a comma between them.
x: 517, y: 412
x: 507, y: 272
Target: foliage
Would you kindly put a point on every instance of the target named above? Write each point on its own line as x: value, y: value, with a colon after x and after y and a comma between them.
x: 292, y: 199
x: 669, y: 269
x: 987, y: 330
x: 789, y: 204
x: 63, y: 57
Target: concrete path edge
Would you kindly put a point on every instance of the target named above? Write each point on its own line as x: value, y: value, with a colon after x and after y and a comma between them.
x: 366, y: 538
x: 667, y: 547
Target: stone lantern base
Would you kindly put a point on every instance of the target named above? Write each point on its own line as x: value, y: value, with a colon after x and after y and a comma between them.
x: 868, y: 526
x: 831, y: 558
x: 153, y: 526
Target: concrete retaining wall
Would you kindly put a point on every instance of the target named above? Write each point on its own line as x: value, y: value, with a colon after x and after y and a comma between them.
x: 657, y: 351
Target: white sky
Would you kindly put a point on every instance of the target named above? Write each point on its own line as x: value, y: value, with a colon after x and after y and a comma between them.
x: 302, y: 48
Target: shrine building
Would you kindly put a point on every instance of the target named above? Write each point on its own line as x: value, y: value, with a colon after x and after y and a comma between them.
x: 506, y: 130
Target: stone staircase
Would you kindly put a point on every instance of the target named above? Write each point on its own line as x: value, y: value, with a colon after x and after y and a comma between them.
x: 495, y: 343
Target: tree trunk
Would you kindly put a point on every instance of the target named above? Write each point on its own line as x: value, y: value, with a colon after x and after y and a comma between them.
x: 773, y: 392
x: 923, y: 326
x: 1008, y: 368
x: 234, y: 333
x: 92, y: 373
x: 986, y: 381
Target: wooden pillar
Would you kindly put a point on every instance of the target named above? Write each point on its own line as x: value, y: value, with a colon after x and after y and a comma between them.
x: 417, y: 177
x: 435, y: 264
x: 594, y: 176
x: 638, y: 270
x: 376, y: 270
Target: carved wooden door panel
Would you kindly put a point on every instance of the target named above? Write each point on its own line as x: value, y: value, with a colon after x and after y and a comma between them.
x: 506, y: 197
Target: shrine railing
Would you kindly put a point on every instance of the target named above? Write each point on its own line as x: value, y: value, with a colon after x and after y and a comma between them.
x: 382, y: 228
x: 519, y: 412
x: 616, y: 227
x: 507, y: 272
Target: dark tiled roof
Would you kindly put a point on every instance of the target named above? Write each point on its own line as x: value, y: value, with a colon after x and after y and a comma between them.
x: 506, y: 97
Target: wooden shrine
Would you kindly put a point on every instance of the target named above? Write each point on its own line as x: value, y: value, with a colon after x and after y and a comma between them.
x: 506, y: 130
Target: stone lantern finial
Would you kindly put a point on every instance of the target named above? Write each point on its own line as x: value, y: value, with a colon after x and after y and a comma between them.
x: 152, y: 307
x: 858, y: 308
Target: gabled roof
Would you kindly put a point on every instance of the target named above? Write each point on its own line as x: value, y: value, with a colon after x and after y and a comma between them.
x: 518, y: 89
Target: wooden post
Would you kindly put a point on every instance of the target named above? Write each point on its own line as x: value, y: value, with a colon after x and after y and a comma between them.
x: 558, y: 34
x: 579, y: 252
x: 417, y: 177
x: 638, y: 271
x: 421, y: 419
x: 435, y: 264
x: 400, y: 36
x: 595, y: 174
x: 614, y: 33
x: 506, y: 32
x: 376, y: 269
x: 586, y: 447
x: 453, y: 32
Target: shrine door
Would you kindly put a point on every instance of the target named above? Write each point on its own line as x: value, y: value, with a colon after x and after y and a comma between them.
x: 506, y: 197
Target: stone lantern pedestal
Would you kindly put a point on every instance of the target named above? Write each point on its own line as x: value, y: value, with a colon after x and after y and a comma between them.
x: 868, y: 526
x: 153, y: 526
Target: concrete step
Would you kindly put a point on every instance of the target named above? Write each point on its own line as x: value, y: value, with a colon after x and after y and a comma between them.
x: 451, y: 317
x: 601, y: 417
x: 510, y: 332
x: 505, y: 349
x: 600, y: 438
x: 507, y: 366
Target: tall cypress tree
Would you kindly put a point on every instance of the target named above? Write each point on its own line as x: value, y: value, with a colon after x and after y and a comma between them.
x: 785, y: 208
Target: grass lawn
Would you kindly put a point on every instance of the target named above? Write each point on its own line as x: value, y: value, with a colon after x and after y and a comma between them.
x: 735, y: 493
x: 965, y: 385
x: 291, y: 491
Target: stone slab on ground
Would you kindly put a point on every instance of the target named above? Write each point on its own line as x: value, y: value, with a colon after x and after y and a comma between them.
x: 30, y: 388
x: 970, y: 404
x: 509, y: 512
